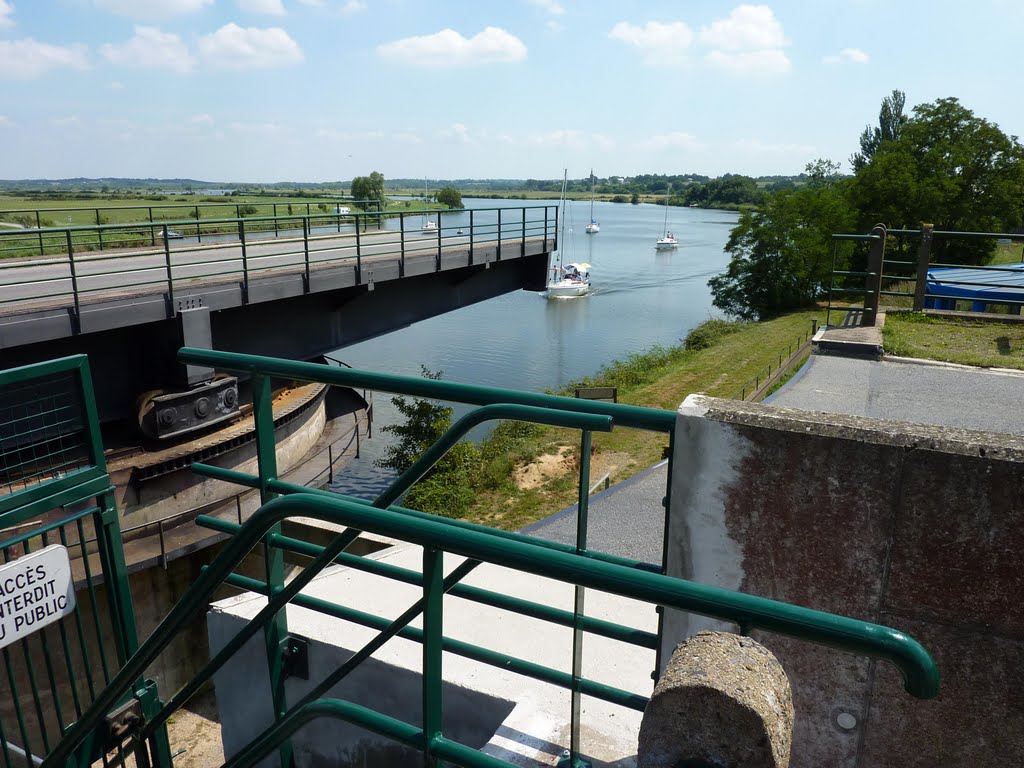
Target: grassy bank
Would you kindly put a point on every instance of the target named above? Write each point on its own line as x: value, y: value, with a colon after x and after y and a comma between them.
x: 530, y: 473
x: 953, y: 340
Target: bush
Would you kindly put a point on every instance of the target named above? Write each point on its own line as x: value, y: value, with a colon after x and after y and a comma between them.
x: 709, y: 332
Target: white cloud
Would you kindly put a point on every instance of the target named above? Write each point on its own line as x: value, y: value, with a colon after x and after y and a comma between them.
x: 151, y: 49
x: 315, y: 3
x: 152, y: 10
x: 201, y: 119
x: 663, y: 43
x: 853, y: 55
x: 406, y: 137
x: 333, y: 134
x: 6, y: 11
x: 749, y: 41
x: 25, y: 59
x: 771, y: 62
x: 673, y: 139
x: 748, y: 28
x: 458, y: 132
x: 5, y: 122
x: 236, y: 48
x: 549, y: 6
x: 268, y: 7
x: 448, y: 48
x: 64, y: 122
x: 504, y: 138
x: 353, y: 6
x: 116, y: 85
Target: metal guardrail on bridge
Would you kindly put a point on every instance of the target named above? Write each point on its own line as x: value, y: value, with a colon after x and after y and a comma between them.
x: 82, y: 265
x: 577, y: 565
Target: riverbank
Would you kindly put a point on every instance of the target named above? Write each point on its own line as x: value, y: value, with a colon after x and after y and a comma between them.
x: 530, y: 473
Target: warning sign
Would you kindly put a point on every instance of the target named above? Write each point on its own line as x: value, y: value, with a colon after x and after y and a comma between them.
x: 35, y: 590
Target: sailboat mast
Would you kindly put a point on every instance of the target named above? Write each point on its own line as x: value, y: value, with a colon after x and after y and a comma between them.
x: 561, y: 212
x: 591, y: 195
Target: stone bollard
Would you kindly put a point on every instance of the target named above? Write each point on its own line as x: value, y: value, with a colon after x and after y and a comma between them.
x: 724, y: 702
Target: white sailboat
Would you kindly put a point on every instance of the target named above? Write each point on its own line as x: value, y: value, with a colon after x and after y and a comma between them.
x: 429, y: 227
x: 570, y: 280
x: 668, y: 240
x: 593, y: 227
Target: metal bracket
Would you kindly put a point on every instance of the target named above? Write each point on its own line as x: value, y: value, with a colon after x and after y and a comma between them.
x: 295, y: 651
x: 122, y: 722
x: 565, y: 761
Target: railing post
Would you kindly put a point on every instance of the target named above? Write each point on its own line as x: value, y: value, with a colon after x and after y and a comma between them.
x: 359, y: 255
x: 99, y: 232
x: 545, y: 228
x: 433, y: 620
x: 276, y: 630
x: 578, y: 602
x: 245, y: 262
x: 924, y: 253
x: 305, y: 249
x: 357, y: 437
x: 471, y: 237
x: 876, y: 257
x: 274, y: 209
x: 170, y: 275
x: 401, y: 242
x: 199, y: 229
x: 39, y: 225
x: 438, y: 241
x: 523, y: 249
x: 497, y: 256
x: 74, y: 284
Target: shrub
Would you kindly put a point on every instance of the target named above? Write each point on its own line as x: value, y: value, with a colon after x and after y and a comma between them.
x: 709, y: 332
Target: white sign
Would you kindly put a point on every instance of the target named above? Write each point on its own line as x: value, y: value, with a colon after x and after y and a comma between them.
x: 35, y: 590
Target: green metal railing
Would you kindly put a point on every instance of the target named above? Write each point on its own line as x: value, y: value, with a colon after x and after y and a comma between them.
x: 78, y: 265
x: 56, y: 492
x: 576, y: 565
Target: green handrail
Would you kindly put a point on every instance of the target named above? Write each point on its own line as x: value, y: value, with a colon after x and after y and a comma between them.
x: 921, y: 677
x: 625, y: 415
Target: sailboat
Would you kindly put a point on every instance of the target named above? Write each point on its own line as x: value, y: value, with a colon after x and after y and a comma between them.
x: 429, y: 227
x: 573, y: 279
x: 668, y: 240
x: 593, y: 227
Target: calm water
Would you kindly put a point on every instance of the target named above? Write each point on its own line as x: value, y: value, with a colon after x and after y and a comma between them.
x: 640, y: 297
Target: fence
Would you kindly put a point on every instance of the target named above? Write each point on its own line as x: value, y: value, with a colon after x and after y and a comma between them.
x: 577, y: 565
x: 769, y: 376
x: 921, y: 283
x: 66, y: 619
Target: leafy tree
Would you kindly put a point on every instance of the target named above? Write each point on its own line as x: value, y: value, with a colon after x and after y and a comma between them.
x: 782, y: 253
x: 370, y: 188
x: 949, y: 168
x: 635, y: 198
x: 891, y: 120
x: 450, y: 196
x: 446, y: 489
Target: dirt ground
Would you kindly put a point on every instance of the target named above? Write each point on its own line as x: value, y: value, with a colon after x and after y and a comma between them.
x: 194, y: 733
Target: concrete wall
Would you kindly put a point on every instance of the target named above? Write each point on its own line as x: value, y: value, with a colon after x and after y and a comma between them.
x: 914, y: 527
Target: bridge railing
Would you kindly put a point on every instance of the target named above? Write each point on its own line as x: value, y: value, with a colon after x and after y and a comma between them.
x: 83, y: 263
x: 925, y: 268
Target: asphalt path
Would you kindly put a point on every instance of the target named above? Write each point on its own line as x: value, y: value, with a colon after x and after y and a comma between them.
x: 30, y: 282
x: 626, y: 520
x: 909, y: 391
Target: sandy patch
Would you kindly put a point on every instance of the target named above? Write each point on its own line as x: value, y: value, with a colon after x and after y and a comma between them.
x: 554, y: 465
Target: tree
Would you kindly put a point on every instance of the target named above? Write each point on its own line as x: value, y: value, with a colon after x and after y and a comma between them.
x: 891, y: 120
x: 450, y: 196
x: 782, y: 253
x: 949, y: 168
x: 370, y: 188
x: 635, y: 198
x: 446, y: 489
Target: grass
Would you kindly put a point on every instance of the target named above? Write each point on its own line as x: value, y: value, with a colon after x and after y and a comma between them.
x: 721, y: 358
x: 955, y: 340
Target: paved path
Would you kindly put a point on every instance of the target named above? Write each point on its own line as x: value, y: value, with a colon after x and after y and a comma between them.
x: 909, y: 391
x: 626, y: 520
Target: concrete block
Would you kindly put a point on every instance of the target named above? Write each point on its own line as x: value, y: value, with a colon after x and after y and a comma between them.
x: 724, y: 700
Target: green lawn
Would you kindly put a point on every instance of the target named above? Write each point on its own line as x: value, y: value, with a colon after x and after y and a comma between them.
x: 952, y: 340
x: 719, y: 370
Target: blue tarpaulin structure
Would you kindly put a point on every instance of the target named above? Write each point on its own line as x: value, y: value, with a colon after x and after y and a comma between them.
x: 947, y: 285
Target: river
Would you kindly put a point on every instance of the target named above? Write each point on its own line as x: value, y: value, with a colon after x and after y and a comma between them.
x: 640, y: 297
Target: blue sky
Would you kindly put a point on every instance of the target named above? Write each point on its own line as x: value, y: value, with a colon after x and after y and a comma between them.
x: 320, y: 90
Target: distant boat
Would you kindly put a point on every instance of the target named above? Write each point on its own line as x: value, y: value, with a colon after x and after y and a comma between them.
x: 429, y: 227
x: 668, y: 240
x: 173, y: 234
x: 593, y: 227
